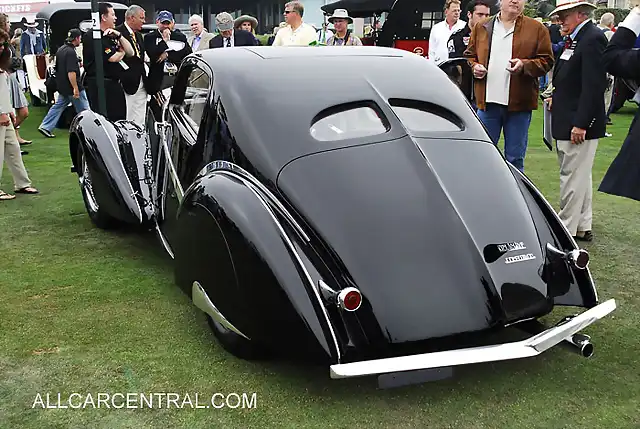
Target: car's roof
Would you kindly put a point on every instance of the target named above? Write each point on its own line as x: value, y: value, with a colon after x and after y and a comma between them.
x: 296, y: 52
x: 273, y: 95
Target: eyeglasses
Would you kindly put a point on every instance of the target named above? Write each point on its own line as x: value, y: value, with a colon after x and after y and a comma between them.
x: 286, y: 12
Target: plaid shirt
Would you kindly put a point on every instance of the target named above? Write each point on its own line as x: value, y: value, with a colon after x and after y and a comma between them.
x: 351, y: 41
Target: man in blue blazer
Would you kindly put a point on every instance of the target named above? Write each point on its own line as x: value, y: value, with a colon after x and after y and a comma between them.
x: 578, y: 114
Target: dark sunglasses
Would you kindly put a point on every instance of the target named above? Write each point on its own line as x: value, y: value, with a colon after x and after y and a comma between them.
x: 287, y: 12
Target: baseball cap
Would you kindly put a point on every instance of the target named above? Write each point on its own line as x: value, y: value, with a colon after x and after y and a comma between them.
x: 164, y: 15
x: 224, y: 21
x: 73, y: 34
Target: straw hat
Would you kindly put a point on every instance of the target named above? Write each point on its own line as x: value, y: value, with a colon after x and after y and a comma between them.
x: 245, y: 18
x: 570, y: 4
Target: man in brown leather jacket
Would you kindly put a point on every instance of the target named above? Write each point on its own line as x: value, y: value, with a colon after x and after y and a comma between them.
x: 508, y: 53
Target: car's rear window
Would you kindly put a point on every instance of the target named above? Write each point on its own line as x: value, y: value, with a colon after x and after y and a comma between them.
x: 348, y: 122
x: 418, y: 116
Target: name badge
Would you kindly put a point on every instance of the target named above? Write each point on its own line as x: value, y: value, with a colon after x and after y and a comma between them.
x: 567, y: 54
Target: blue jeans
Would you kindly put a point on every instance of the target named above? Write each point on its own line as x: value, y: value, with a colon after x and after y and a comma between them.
x: 496, y: 118
x: 543, y: 82
x: 55, y: 112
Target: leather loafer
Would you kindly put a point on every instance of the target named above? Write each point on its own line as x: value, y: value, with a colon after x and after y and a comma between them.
x: 588, y: 236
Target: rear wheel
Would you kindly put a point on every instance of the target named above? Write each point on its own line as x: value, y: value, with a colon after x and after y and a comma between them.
x: 97, y: 215
x: 236, y: 344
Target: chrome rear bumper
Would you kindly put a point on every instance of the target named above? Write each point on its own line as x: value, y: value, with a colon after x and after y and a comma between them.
x: 521, y: 349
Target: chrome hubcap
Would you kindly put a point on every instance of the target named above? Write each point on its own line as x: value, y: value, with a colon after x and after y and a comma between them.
x: 85, y: 183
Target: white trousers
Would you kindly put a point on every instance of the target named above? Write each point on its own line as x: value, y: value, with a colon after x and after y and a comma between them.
x: 137, y: 106
x: 11, y: 154
x: 608, y: 93
x: 576, y: 187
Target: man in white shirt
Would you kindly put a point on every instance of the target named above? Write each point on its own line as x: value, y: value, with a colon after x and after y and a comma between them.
x: 296, y: 33
x: 134, y: 77
x: 442, y: 31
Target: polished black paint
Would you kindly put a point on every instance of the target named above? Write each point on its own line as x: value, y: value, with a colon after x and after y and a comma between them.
x: 405, y: 215
x: 435, y: 219
x: 120, y: 164
x: 269, y: 130
x: 246, y: 268
x: 111, y: 184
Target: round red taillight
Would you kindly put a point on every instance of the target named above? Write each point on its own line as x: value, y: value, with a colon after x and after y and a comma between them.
x: 579, y: 258
x: 350, y: 299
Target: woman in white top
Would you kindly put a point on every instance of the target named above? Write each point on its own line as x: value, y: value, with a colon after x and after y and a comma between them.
x: 10, y: 150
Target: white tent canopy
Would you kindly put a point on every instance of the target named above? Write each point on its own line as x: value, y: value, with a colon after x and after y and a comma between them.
x: 19, y: 9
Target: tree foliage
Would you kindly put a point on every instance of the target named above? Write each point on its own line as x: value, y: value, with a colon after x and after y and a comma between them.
x: 620, y: 14
x: 539, y: 8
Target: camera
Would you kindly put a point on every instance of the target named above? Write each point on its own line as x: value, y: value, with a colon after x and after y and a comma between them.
x: 114, y: 41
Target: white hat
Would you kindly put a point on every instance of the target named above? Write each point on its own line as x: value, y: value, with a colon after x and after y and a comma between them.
x: 570, y: 4
x: 340, y: 14
x: 31, y: 24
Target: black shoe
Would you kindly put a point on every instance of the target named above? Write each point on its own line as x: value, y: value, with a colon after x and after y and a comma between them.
x: 24, y: 152
x: 588, y: 236
x: 46, y: 133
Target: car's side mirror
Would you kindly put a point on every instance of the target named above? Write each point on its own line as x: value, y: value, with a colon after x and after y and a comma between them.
x: 175, y: 45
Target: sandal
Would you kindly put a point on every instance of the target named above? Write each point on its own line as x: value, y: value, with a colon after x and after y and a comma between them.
x: 27, y: 190
x: 6, y: 197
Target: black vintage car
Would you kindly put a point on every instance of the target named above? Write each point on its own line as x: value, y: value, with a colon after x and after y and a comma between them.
x: 367, y: 220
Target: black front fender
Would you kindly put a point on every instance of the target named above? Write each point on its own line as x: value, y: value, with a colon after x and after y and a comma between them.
x: 115, y: 164
x: 250, y: 265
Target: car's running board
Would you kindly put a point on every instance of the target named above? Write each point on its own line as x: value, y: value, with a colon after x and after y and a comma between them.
x: 521, y: 349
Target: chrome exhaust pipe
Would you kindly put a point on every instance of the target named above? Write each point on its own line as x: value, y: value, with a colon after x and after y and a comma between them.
x: 581, y: 344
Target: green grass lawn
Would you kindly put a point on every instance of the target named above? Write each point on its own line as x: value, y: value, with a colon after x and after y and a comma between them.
x: 88, y: 311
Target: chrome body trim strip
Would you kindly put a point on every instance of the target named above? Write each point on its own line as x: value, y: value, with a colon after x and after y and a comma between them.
x: 161, y: 131
x: 203, y: 302
x: 242, y: 173
x: 329, y: 294
x: 164, y: 241
x: 529, y: 347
